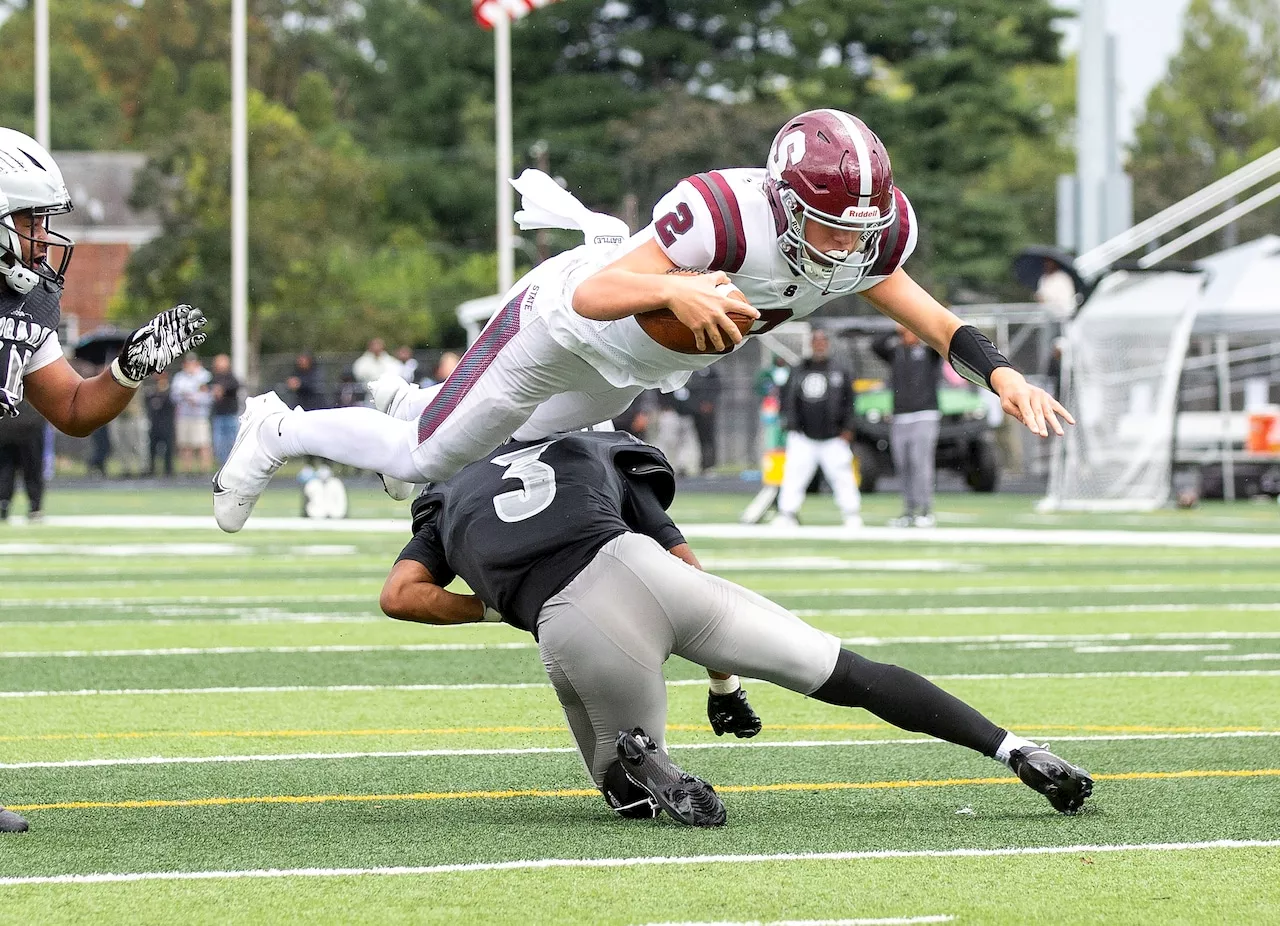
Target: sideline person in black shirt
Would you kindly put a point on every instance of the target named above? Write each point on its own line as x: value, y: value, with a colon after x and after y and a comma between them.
x: 913, y: 432
x: 817, y: 411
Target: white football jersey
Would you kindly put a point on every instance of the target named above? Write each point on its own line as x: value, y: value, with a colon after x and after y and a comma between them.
x: 719, y: 220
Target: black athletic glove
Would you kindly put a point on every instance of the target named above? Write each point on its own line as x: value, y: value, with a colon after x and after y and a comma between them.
x: 157, y: 344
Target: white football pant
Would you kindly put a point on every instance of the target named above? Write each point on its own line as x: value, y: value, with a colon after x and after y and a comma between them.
x: 514, y: 381
x: 804, y: 456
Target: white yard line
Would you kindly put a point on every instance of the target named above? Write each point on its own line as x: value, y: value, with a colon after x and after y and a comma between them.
x: 859, y: 921
x: 1245, y: 657
x: 134, y: 602
x: 501, y: 686
x: 254, y: 650
x: 547, y: 863
x: 549, y: 750
x: 1042, y: 609
x: 940, y: 535
x: 1042, y: 591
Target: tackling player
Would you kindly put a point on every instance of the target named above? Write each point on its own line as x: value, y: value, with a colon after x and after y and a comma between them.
x: 821, y: 220
x: 568, y: 538
x: 31, y: 360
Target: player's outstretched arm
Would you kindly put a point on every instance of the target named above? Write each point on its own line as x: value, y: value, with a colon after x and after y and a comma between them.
x: 971, y: 354
x: 78, y: 406
x: 411, y: 594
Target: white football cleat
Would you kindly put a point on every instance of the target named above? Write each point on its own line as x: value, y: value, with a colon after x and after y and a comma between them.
x: 248, y: 468
x: 853, y: 521
x: 386, y: 393
x: 784, y: 521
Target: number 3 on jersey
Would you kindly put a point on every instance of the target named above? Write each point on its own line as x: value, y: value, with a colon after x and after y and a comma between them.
x: 538, y: 484
x: 674, y: 223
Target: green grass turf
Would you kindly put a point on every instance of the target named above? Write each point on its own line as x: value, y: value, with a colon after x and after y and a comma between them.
x: 264, y: 589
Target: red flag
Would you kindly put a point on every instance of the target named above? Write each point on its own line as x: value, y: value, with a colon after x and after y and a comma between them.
x: 487, y: 11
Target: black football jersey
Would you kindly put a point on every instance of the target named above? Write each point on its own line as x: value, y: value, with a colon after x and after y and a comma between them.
x: 520, y: 524
x: 26, y: 322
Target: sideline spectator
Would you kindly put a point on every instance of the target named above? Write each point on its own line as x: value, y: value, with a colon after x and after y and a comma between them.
x: 304, y: 382
x: 374, y: 363
x: 99, y: 450
x: 673, y: 432
x: 22, y: 451
x: 160, y: 419
x: 704, y: 394
x: 408, y: 364
x: 1056, y: 291
x: 638, y: 416
x: 192, y: 402
x: 226, y: 406
x: 444, y: 368
x: 817, y: 412
x: 913, y: 432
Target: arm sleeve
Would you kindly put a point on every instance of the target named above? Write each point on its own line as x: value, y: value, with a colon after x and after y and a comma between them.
x: 685, y: 229
x: 426, y: 548
x: 645, y: 515
x: 45, y: 354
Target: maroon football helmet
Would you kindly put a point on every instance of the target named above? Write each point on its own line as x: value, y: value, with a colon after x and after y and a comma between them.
x: 826, y: 166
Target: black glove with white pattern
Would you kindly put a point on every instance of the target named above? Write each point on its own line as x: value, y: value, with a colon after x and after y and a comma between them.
x: 157, y: 344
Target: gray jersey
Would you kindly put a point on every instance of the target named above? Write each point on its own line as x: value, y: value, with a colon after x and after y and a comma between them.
x: 521, y: 523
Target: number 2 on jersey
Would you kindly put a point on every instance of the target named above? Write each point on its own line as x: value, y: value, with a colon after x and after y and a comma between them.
x: 538, y: 484
x: 674, y: 223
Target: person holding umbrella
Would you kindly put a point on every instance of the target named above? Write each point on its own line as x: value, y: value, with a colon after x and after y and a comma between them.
x: 33, y: 265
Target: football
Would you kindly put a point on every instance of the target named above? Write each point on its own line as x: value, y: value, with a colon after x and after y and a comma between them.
x: 663, y: 326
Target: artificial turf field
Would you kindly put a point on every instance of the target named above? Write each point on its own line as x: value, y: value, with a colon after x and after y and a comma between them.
x: 234, y: 709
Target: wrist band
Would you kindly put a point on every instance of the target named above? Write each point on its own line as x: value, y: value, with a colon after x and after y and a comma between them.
x: 974, y: 357
x: 118, y: 375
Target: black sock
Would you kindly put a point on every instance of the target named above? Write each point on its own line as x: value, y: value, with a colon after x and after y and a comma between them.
x: 909, y: 701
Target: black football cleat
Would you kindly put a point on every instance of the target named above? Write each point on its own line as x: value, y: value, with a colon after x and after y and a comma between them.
x: 10, y: 822
x: 730, y: 713
x: 688, y: 799
x: 1065, y: 785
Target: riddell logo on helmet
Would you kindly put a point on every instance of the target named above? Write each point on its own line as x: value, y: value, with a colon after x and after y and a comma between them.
x: 869, y: 213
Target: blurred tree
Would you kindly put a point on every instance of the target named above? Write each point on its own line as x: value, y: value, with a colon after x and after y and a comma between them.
x: 324, y: 268
x: 1218, y: 109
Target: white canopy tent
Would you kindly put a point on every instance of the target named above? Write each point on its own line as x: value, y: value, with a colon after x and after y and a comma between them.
x: 1127, y: 350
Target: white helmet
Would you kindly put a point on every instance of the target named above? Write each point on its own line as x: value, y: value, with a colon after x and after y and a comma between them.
x: 30, y: 180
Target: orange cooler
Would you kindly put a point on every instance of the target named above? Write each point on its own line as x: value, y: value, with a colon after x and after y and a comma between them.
x: 1264, y: 430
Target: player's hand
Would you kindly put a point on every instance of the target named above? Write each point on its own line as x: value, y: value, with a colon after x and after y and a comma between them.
x: 160, y: 342
x: 704, y: 311
x: 1030, y: 404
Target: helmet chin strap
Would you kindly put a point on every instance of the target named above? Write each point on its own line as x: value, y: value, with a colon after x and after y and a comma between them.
x: 21, y: 279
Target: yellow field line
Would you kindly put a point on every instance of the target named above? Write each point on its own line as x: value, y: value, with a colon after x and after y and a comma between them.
x: 587, y: 792
x: 464, y: 731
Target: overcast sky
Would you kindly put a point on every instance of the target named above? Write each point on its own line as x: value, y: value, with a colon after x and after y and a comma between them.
x: 1147, y: 32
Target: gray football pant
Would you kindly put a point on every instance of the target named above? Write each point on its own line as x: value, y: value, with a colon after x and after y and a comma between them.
x: 913, y: 445
x: 605, y: 636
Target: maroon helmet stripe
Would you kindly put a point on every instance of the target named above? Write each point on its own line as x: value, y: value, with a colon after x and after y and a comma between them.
x: 471, y: 367
x: 736, y: 252
x: 717, y: 220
